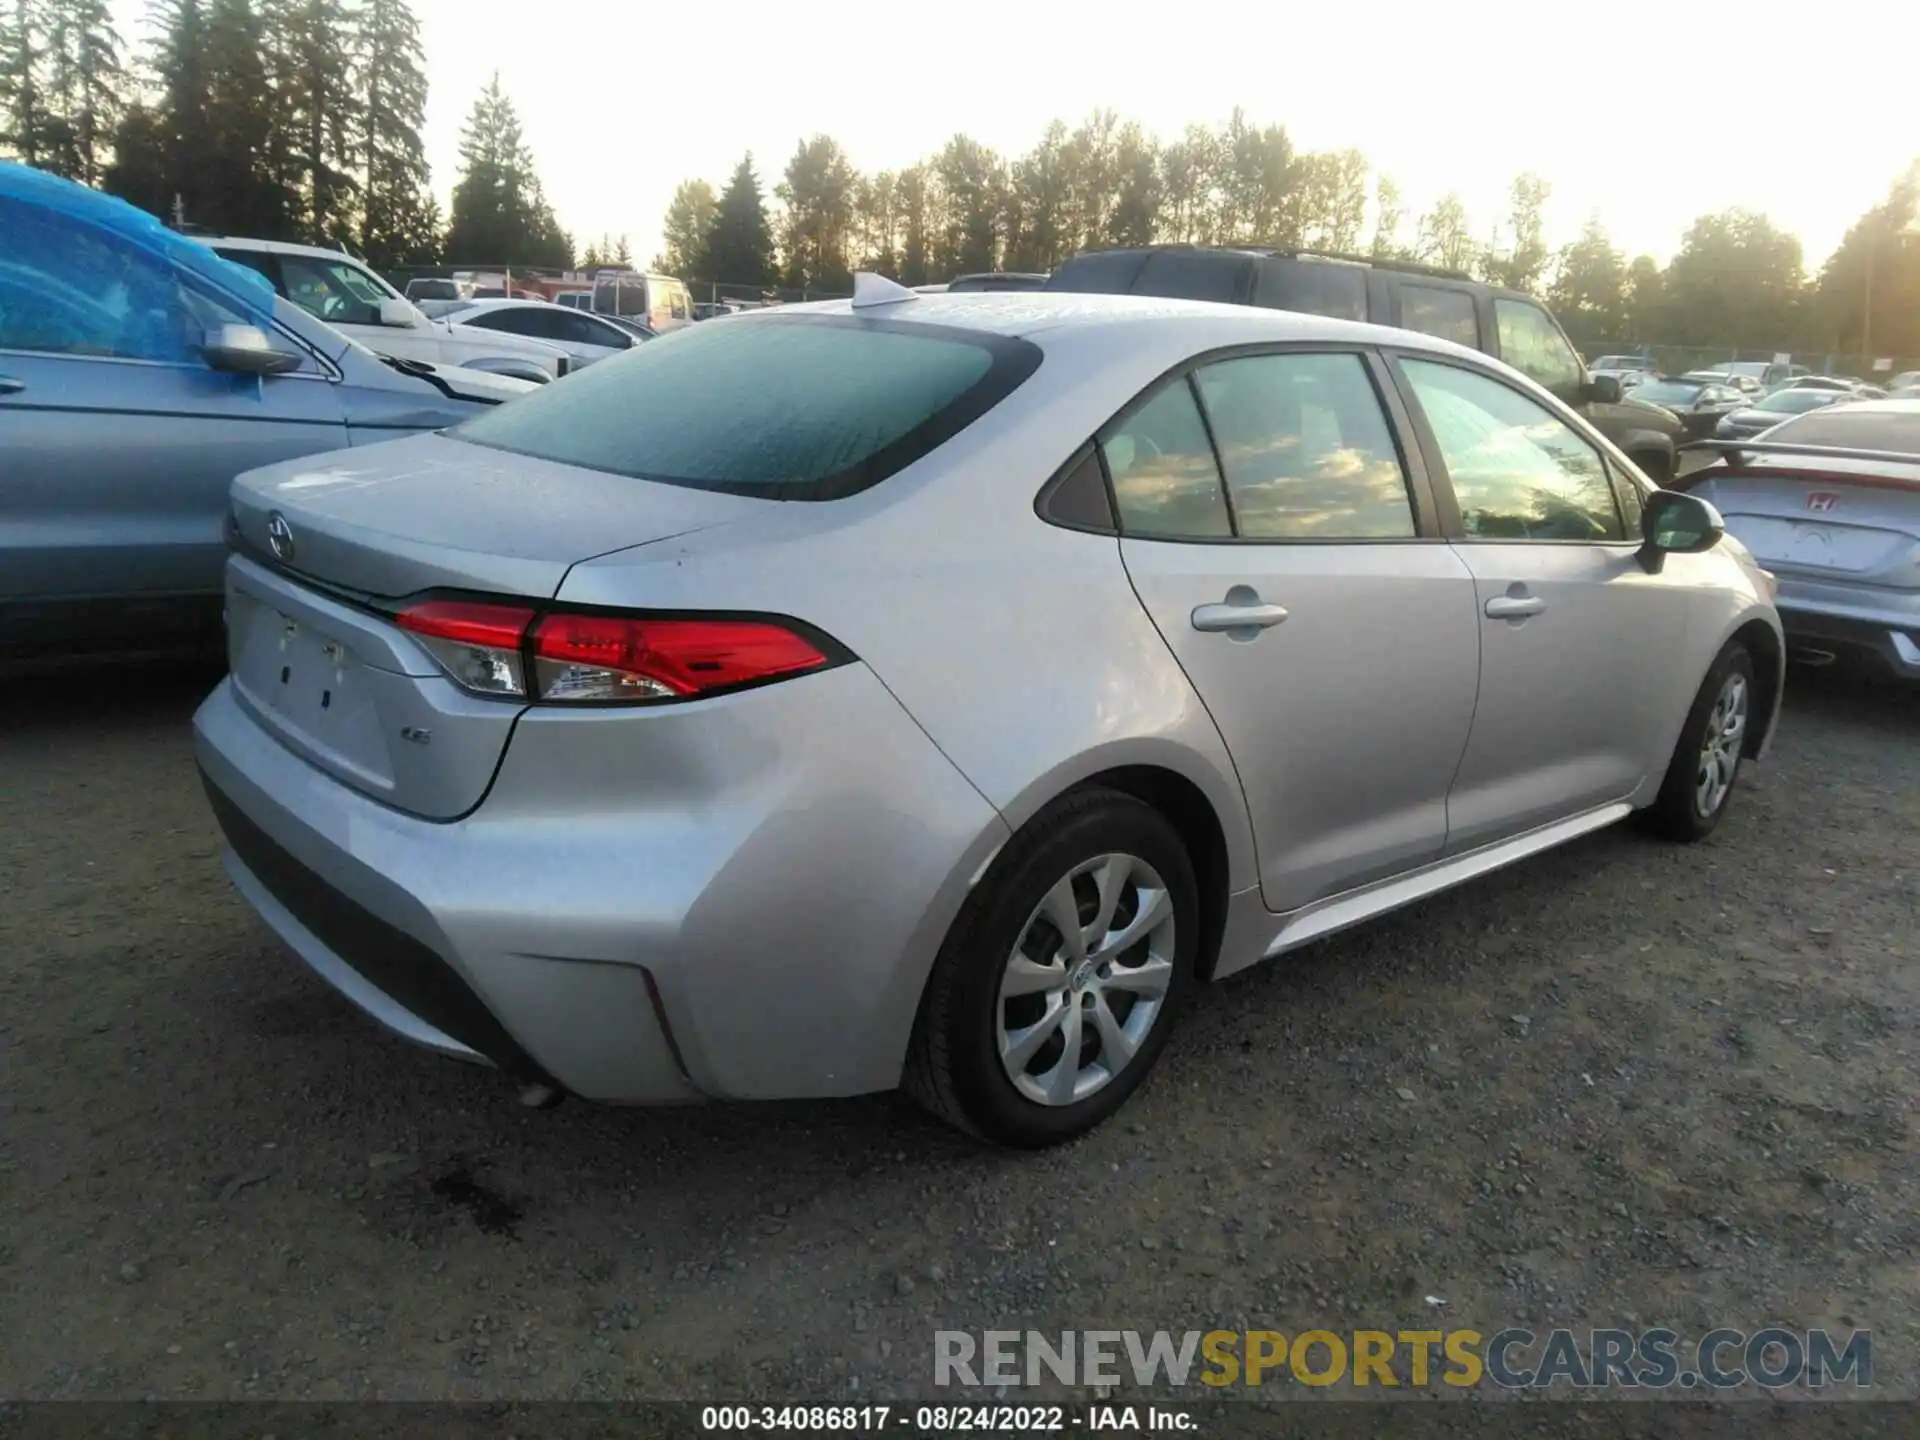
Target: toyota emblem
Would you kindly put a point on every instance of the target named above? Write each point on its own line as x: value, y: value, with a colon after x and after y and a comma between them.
x: 280, y: 537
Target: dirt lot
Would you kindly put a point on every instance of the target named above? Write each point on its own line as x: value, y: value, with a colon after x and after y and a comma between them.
x: 1625, y: 1084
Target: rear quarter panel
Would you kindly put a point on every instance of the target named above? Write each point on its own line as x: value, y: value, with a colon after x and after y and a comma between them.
x: 1019, y: 646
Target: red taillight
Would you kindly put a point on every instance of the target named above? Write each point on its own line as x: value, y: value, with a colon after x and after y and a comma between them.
x: 618, y: 657
x: 595, y: 658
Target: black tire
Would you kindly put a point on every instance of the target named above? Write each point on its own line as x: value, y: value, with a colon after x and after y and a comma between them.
x: 954, y: 1067
x: 1678, y: 813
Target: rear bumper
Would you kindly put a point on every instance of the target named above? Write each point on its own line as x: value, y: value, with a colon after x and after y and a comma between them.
x: 1898, y: 650
x: 1819, y: 616
x: 626, y: 935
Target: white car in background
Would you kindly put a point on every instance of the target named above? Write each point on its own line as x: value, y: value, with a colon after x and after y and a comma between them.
x: 1629, y: 370
x: 584, y: 336
x: 333, y: 286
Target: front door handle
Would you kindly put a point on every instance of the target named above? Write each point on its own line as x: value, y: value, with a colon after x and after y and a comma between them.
x: 1241, y: 616
x: 1514, y: 607
x: 11, y: 386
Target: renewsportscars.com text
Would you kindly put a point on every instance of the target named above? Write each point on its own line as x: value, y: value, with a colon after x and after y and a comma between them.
x: 1656, y: 1359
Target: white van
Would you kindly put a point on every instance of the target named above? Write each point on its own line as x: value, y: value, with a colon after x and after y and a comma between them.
x: 659, y: 302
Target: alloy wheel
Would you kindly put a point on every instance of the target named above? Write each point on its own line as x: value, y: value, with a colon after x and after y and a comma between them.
x: 1087, y: 979
x: 1720, y: 747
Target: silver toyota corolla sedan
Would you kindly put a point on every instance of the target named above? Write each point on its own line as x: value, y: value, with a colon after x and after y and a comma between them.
x: 935, y: 690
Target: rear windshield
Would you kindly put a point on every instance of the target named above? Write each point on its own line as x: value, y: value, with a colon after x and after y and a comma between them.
x: 786, y: 407
x: 1855, y: 429
x: 1670, y: 392
x: 1793, y: 402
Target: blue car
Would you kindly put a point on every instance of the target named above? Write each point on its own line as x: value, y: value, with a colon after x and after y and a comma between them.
x: 139, y: 373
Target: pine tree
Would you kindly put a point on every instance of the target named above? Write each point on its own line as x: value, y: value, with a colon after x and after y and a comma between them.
x: 85, y: 91
x: 183, y: 125
x: 142, y: 170
x: 315, y: 110
x: 22, y: 114
x: 394, y: 228
x: 740, y: 243
x: 245, y: 187
x: 500, y: 215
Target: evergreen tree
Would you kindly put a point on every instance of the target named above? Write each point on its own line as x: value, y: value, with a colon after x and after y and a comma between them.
x: 244, y: 189
x: 85, y: 90
x: 142, y: 170
x: 500, y: 215
x: 740, y: 242
x: 399, y: 221
x: 315, y: 111
x: 22, y: 114
x: 179, y: 167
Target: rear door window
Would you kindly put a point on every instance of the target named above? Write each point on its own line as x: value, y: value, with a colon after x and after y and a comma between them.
x: 1434, y: 310
x: 797, y: 407
x: 1165, y: 480
x: 1314, y: 287
x: 515, y: 321
x: 1195, y: 275
x: 1306, y: 449
x: 1104, y: 272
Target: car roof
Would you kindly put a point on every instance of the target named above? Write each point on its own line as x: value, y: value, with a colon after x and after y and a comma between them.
x: 278, y: 247
x: 1023, y: 313
x: 507, y: 302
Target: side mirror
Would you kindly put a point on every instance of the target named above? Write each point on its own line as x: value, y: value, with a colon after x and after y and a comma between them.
x: 1602, y: 389
x: 398, y: 314
x: 245, y: 350
x: 1677, y: 523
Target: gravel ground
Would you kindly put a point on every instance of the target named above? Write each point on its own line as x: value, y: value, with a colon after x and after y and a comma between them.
x: 1622, y: 1084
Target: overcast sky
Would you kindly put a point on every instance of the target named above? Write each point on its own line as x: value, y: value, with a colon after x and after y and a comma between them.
x: 1651, y: 113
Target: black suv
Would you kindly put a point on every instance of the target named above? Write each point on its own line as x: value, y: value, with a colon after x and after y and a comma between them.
x: 1506, y: 324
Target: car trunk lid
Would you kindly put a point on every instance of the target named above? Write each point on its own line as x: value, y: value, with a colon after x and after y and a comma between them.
x: 430, y: 512
x: 1835, y: 519
x: 315, y: 655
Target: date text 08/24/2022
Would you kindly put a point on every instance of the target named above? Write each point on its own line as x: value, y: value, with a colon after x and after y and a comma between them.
x: 945, y: 1419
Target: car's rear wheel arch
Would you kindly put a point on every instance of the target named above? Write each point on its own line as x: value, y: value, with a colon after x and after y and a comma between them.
x: 1185, y: 807
x: 1763, y: 648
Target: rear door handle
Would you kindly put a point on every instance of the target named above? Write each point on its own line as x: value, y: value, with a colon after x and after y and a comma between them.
x: 1241, y: 616
x: 1514, y: 607
x: 11, y: 386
